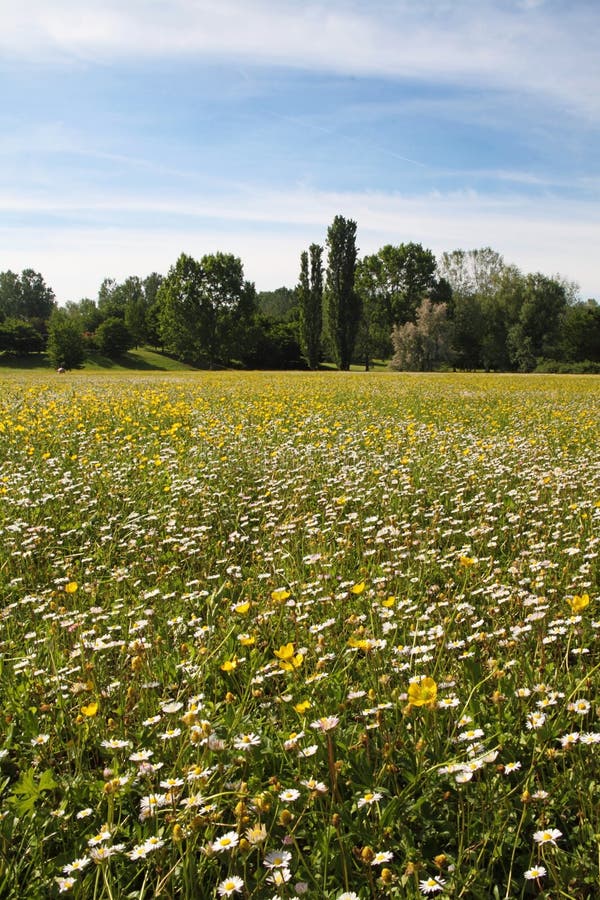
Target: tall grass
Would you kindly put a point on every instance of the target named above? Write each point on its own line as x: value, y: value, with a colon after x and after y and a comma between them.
x: 279, y: 635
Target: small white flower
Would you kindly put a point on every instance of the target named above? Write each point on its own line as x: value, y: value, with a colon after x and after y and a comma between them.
x: 227, y: 841
x: 432, y: 885
x: 547, y: 836
x: 369, y: 798
x: 172, y: 706
x: 381, y: 857
x: 229, y: 886
x: 535, y: 720
x: 326, y: 723
x: 78, y: 865
x: 115, y: 744
x: 246, y: 741
x: 279, y: 876
x: 581, y: 707
x: 277, y: 859
x: 534, y: 872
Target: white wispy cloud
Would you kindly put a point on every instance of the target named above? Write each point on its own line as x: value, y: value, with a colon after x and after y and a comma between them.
x: 539, y: 48
x: 269, y: 229
x: 527, y: 67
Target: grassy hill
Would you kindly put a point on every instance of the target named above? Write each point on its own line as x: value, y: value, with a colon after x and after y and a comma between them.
x: 142, y: 360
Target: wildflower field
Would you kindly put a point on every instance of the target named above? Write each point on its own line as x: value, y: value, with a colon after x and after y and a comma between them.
x: 331, y: 635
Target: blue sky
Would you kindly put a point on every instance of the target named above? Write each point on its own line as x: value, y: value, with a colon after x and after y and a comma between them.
x: 134, y: 130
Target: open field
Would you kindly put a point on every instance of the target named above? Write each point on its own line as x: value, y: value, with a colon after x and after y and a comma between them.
x: 273, y: 635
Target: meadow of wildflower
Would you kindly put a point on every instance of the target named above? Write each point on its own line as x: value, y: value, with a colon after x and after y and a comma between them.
x: 331, y: 635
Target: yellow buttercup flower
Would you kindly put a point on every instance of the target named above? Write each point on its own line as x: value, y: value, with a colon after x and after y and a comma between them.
x: 294, y: 663
x: 71, y: 587
x: 241, y: 608
x: 90, y: 710
x: 363, y: 644
x: 246, y: 640
x: 577, y: 603
x: 422, y: 693
x: 358, y: 588
x: 280, y: 595
x: 229, y: 665
x: 285, y: 652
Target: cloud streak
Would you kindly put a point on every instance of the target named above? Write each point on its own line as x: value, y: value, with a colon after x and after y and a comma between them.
x: 135, y: 131
x: 547, y: 51
x: 269, y: 229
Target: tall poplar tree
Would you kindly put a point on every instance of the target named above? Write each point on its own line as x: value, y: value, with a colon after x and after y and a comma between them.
x: 342, y: 301
x: 310, y: 297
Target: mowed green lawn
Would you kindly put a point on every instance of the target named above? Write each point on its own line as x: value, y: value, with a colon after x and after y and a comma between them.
x: 273, y: 635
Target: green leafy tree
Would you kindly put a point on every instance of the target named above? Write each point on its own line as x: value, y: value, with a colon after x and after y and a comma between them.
x: 501, y: 307
x: 135, y: 309
x: 468, y: 326
x: 411, y: 270
x: 544, y: 302
x: 152, y: 285
x: 10, y: 294
x: 374, y: 332
x: 19, y: 337
x: 580, y: 332
x: 342, y: 301
x: 522, y: 320
x: 86, y: 312
x: 111, y: 300
x: 310, y: 301
x: 37, y: 299
x: 280, y: 304
x: 113, y: 338
x: 27, y: 297
x: 181, y: 305
x: 230, y: 305
x: 65, y: 340
x: 204, y: 307
x: 479, y: 329
x: 270, y: 344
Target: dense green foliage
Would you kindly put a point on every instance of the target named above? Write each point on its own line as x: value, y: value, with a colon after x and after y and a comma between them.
x: 342, y: 300
x: 204, y: 308
x: 65, y: 340
x: 484, y: 314
x: 310, y: 302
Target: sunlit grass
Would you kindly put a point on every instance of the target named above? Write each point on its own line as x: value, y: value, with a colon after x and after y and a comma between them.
x: 324, y: 634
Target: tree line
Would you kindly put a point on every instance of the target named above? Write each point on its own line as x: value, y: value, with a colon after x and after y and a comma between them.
x: 466, y: 310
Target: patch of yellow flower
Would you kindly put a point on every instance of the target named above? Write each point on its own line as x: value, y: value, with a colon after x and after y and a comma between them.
x: 577, y: 603
x: 288, y: 658
x: 363, y: 644
x: 241, y: 608
x: 229, y: 665
x: 422, y: 693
